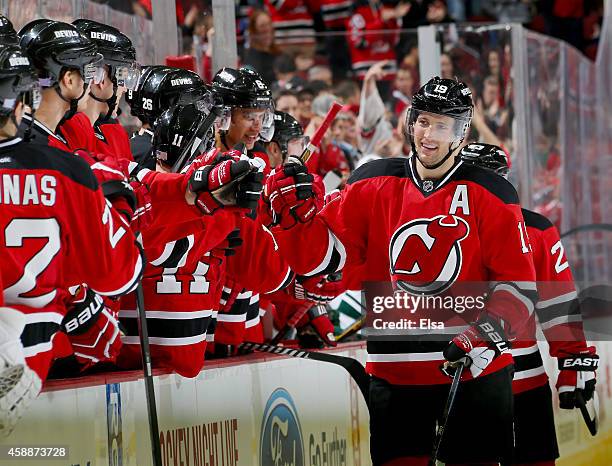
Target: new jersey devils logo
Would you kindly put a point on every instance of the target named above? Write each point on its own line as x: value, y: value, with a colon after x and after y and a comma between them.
x: 425, y: 254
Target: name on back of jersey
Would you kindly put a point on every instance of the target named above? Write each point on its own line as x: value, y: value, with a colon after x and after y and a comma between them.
x: 27, y: 189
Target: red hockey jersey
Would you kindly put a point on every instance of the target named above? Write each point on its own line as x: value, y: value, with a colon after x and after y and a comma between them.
x: 293, y: 23
x: 58, y: 232
x: 336, y: 13
x: 371, y: 40
x: 427, y: 238
x: 40, y: 134
x: 558, y: 309
x: 257, y: 267
x: 112, y: 139
x: 181, y: 289
x: 79, y: 133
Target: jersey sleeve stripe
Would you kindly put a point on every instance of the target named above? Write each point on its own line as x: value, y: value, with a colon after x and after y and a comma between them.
x: 508, y: 287
x: 334, y: 259
x: 405, y: 357
x: 130, y: 285
x: 286, y: 281
x: 222, y: 317
x: 134, y: 340
x: 564, y: 298
x: 528, y: 373
x: 131, y: 313
x: 561, y: 320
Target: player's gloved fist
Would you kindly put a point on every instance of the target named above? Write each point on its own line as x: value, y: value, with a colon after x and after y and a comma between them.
x: 215, y: 184
x: 249, y: 190
x: 317, y: 320
x: 319, y: 290
x: 91, y: 328
x: 289, y: 193
x: 577, y: 376
x: 476, y: 347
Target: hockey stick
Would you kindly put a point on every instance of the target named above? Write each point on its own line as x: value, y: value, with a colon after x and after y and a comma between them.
x: 352, y: 366
x: 350, y: 330
x: 588, y: 227
x: 194, y: 141
x: 143, y: 334
x: 591, y: 423
x: 320, y: 132
x: 291, y: 323
x: 447, y: 409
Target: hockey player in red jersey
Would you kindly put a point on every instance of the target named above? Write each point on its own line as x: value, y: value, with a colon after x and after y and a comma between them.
x: 121, y: 71
x: 183, y: 278
x: 558, y: 312
x: 248, y: 118
x: 45, y: 255
x: 426, y: 224
x: 66, y: 61
x: 160, y: 88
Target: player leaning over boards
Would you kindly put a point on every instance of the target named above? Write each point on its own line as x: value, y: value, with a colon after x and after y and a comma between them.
x: 50, y: 198
x: 425, y: 223
x: 559, y: 315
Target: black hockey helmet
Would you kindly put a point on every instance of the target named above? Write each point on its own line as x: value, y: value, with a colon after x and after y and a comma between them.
x: 116, y: 48
x: 54, y: 46
x: 286, y: 129
x: 173, y: 129
x: 18, y: 79
x: 8, y: 35
x: 442, y: 97
x: 162, y: 87
x: 243, y: 88
x: 487, y: 156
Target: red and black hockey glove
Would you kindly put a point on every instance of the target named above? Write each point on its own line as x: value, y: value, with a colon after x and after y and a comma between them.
x: 319, y: 289
x: 316, y: 323
x: 577, y: 376
x: 289, y: 194
x: 216, y: 185
x: 91, y: 328
x: 476, y: 347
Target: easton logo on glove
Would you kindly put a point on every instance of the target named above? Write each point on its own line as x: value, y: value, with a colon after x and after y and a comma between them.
x: 84, y: 313
x: 580, y: 363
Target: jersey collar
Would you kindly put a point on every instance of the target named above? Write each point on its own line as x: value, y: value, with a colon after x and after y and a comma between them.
x: 10, y: 142
x: 428, y: 187
x: 43, y: 130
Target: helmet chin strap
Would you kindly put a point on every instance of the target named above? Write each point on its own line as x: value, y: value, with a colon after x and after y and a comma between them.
x: 438, y: 164
x: 74, y: 103
x: 111, y: 101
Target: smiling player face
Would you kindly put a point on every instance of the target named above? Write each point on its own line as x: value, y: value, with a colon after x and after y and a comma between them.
x: 433, y: 135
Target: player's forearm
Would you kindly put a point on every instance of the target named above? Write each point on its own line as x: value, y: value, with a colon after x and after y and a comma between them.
x: 311, y: 249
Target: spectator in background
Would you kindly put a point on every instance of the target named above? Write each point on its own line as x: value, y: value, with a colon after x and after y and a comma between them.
x: 286, y: 73
x: 336, y: 14
x: 329, y: 157
x: 373, y: 35
x: 320, y: 73
x: 447, y: 68
x: 344, y: 135
x: 293, y: 24
x: 286, y: 101
x: 403, y: 90
x: 305, y: 97
x: 350, y: 94
x: 437, y: 12
x: 262, y: 50
x: 496, y: 117
x: 373, y: 126
x: 203, y: 33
